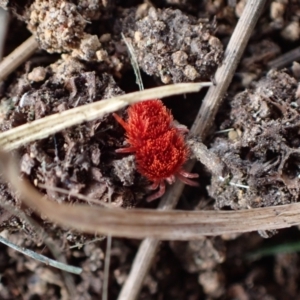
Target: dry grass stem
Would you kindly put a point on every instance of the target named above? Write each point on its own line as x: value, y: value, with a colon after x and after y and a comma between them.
x: 3, y: 29
x: 286, y: 59
x: 105, y: 283
x: 75, y: 195
x: 134, y: 63
x: 209, y: 159
x: 202, y: 124
x: 106, y: 268
x: 42, y: 128
x: 17, y: 57
x: 42, y: 258
x: 141, y: 223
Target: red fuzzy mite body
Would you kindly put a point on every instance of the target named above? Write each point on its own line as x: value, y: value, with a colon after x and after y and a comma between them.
x: 158, y: 145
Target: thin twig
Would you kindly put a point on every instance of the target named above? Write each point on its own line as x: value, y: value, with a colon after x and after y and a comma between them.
x: 42, y: 128
x: 209, y: 159
x: 3, y: 29
x: 107, y: 263
x: 80, y: 245
x: 74, y: 194
x: 42, y: 258
x: 141, y: 223
x: 106, y: 268
x: 17, y: 57
x: 285, y: 59
x: 134, y: 63
x: 202, y: 123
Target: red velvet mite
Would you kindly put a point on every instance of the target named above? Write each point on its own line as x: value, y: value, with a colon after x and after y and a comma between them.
x: 159, y: 146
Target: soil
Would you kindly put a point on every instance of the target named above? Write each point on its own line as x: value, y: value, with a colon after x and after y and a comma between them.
x: 256, y: 136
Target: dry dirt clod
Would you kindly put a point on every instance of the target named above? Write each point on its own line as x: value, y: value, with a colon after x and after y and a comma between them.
x: 124, y: 169
x: 37, y: 74
x: 58, y: 25
x: 292, y: 31
x: 264, y: 158
x: 176, y: 47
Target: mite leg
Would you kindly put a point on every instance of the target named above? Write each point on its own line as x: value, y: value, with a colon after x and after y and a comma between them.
x: 187, y: 174
x: 154, y: 185
x: 180, y: 127
x: 120, y: 121
x: 126, y: 150
x: 171, y: 179
x: 159, y: 193
x: 187, y: 181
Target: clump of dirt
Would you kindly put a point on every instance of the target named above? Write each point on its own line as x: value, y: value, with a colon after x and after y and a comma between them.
x: 262, y: 150
x: 176, y: 47
x: 203, y: 257
x: 67, y: 27
x: 60, y: 26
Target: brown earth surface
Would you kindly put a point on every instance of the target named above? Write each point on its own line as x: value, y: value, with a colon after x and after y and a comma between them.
x: 83, y: 58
